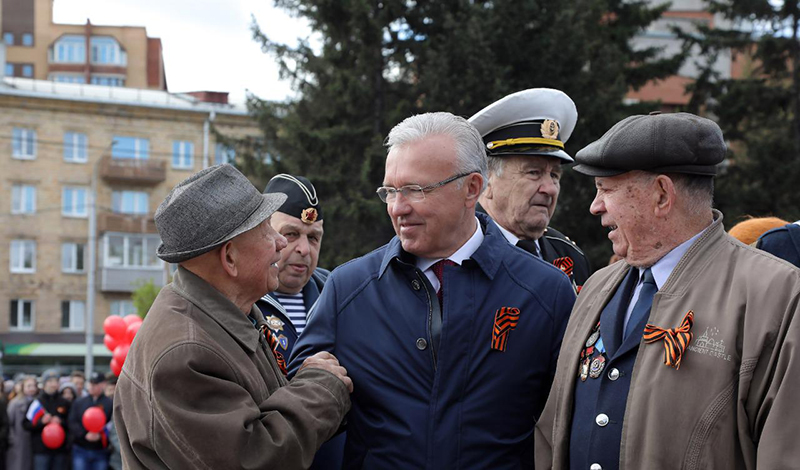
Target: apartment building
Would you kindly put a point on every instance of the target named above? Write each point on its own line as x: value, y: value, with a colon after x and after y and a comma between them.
x: 38, y: 48
x: 63, y: 145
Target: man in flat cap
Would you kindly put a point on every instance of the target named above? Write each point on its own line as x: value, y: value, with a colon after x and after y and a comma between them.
x: 683, y: 354
x: 300, y: 281
x: 449, y: 333
x: 524, y: 134
x: 200, y: 387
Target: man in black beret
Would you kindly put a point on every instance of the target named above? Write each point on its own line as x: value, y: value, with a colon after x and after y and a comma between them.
x: 682, y: 355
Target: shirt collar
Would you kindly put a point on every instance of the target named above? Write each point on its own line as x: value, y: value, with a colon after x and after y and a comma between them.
x: 663, y: 267
x: 463, y: 253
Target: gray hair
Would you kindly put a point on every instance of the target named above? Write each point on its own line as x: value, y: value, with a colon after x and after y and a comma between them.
x: 470, y: 151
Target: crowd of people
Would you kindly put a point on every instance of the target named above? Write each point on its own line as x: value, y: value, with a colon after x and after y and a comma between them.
x: 42, y: 422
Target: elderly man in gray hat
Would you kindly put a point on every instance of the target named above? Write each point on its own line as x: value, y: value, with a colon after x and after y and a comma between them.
x: 683, y: 354
x: 200, y: 387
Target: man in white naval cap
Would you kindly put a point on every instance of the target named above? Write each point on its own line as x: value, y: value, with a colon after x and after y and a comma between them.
x: 524, y: 135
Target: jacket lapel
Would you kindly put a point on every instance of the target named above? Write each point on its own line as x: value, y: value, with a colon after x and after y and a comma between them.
x: 613, y: 315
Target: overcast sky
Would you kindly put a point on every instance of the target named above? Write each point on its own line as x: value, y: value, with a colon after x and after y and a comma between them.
x: 207, y: 44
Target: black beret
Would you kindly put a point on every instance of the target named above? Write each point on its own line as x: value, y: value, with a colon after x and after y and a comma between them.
x: 301, y: 200
x: 659, y: 143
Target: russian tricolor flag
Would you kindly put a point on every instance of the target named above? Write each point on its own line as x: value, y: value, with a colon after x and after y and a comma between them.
x: 35, y: 412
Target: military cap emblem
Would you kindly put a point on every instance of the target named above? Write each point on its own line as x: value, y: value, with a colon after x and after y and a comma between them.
x: 274, y: 323
x: 549, y: 129
x: 309, y: 216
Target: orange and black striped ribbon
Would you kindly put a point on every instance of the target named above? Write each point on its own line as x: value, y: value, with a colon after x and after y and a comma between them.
x: 675, y: 339
x: 505, y: 320
x: 565, y: 264
x: 273, y: 345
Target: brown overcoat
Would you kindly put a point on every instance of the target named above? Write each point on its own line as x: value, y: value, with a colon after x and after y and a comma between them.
x: 732, y: 404
x: 200, y: 390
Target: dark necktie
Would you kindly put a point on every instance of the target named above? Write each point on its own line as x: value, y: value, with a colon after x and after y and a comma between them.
x: 529, y: 246
x: 438, y: 270
x: 643, y: 303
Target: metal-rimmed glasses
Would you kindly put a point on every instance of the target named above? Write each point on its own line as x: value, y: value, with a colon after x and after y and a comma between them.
x: 414, y: 192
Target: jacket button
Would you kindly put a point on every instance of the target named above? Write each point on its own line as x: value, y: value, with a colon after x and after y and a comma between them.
x: 613, y: 374
x: 421, y: 344
x: 415, y: 285
x: 601, y: 419
x: 596, y: 466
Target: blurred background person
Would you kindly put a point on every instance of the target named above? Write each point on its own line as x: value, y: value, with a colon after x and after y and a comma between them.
x: 748, y: 231
x: 90, y: 449
x: 48, y: 407
x: 20, y: 452
x: 68, y: 391
x: 79, y: 379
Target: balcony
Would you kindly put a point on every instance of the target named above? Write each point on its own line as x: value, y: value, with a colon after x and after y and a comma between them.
x: 133, y: 171
x: 113, y: 222
x: 128, y: 279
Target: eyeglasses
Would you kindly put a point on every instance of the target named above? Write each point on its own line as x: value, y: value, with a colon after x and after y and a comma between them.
x: 414, y: 192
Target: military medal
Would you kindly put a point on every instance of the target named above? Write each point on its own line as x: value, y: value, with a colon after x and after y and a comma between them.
x: 592, y: 338
x: 274, y: 323
x: 585, y: 368
x: 597, y: 366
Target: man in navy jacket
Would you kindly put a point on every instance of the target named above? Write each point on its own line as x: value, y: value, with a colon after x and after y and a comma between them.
x: 449, y: 332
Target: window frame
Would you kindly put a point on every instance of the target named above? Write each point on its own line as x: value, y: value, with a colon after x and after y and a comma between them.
x: 23, y: 243
x: 72, y: 47
x: 126, y: 250
x: 71, y: 316
x: 139, y: 153
x: 19, y: 314
x: 182, y: 155
x: 25, y: 41
x: 118, y: 202
x: 80, y: 141
x: 74, y: 250
x: 8, y: 38
x: 75, y: 214
x: 21, y: 196
x: 21, y: 139
x: 123, y: 311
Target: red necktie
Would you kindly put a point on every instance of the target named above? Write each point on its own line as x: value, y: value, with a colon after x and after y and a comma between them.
x: 438, y: 270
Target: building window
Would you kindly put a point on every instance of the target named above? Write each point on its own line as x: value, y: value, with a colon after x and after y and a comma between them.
x: 27, y: 39
x: 23, y: 143
x: 106, y: 50
x: 68, y: 78
x: 70, y: 49
x: 73, y: 257
x: 72, y: 313
x: 73, y: 202
x: 8, y: 38
x: 27, y: 71
x: 130, y: 147
x: 23, y: 256
x: 23, y: 199
x: 224, y: 154
x: 129, y: 250
x: 122, y: 307
x: 182, y: 155
x: 75, y: 145
x: 9, y: 70
x: 108, y: 80
x: 21, y: 315
x: 129, y: 202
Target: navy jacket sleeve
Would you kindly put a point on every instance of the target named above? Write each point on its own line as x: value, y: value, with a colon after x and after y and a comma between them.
x: 320, y: 331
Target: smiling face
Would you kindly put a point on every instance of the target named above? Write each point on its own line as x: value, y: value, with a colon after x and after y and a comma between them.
x: 626, y: 205
x: 523, y: 197
x: 438, y: 225
x: 299, y: 258
x: 258, y: 268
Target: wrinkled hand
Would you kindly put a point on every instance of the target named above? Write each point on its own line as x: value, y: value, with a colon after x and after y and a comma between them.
x: 46, y: 418
x: 92, y: 436
x: 327, y: 361
x: 55, y: 419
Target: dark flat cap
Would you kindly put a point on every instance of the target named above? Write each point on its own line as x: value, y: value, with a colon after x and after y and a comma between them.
x: 301, y: 197
x: 208, y: 209
x: 659, y: 143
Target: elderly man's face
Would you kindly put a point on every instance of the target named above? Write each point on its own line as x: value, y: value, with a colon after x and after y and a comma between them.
x: 258, y: 270
x: 625, y: 205
x: 430, y: 228
x: 525, y: 193
x: 299, y: 258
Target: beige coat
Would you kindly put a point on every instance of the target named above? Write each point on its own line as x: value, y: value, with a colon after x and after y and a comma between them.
x: 200, y: 390
x: 732, y: 404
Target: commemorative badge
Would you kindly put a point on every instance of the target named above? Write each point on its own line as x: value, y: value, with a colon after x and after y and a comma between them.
x: 592, y: 338
x: 565, y: 264
x: 274, y: 323
x: 505, y: 320
x: 309, y: 216
x: 597, y: 366
x: 584, y: 369
x: 283, y: 342
x: 549, y: 129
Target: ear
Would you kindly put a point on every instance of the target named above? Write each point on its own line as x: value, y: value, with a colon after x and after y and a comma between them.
x: 474, y: 185
x: 663, y: 195
x: 227, y: 258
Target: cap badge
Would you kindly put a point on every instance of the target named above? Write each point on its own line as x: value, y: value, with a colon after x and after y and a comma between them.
x: 274, y: 323
x: 309, y: 216
x: 549, y: 129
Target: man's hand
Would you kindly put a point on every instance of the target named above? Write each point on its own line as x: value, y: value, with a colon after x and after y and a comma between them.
x: 327, y: 361
x: 46, y: 418
x: 92, y: 436
x: 55, y: 419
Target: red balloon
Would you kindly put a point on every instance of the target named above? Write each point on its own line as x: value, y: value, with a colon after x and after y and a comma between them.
x: 115, y: 367
x: 131, y: 319
x: 120, y: 353
x: 53, y: 436
x: 94, y: 418
x: 115, y: 327
x: 110, y: 342
x: 132, y: 330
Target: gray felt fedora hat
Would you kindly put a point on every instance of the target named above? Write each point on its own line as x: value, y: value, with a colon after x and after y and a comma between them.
x: 208, y: 209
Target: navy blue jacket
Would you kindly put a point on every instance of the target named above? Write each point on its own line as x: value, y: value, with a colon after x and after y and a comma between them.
x: 783, y: 242
x: 469, y: 405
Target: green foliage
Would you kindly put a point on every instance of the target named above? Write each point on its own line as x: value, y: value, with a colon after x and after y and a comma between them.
x: 144, y: 296
x: 382, y: 61
x: 758, y: 112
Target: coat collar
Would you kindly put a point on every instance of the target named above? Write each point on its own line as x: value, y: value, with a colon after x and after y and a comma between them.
x: 488, y: 256
x: 211, y: 302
